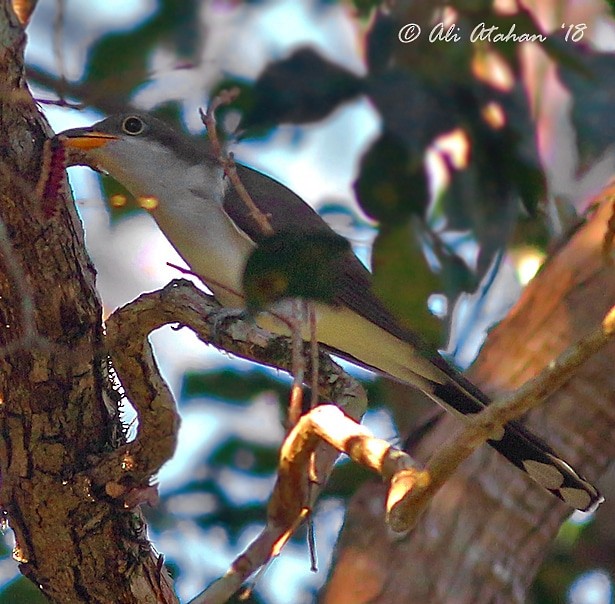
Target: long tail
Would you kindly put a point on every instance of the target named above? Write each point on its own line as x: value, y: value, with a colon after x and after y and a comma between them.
x: 388, y: 350
x: 522, y: 448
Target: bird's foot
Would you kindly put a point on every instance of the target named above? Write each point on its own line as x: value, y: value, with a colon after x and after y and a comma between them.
x: 221, y: 317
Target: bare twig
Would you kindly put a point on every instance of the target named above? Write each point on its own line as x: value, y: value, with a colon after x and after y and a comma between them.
x: 227, y: 162
x: 61, y: 103
x: 93, y: 95
x: 133, y: 360
x: 609, y: 236
x: 292, y: 499
x: 182, y: 302
x: 295, y: 408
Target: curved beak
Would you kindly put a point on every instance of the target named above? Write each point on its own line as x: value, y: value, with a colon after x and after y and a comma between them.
x: 85, y: 139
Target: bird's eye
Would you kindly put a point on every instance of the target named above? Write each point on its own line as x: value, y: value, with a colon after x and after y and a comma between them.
x: 133, y: 125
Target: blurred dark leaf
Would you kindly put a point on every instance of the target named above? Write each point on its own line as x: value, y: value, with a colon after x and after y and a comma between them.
x: 412, y: 108
x: 131, y: 51
x: 250, y: 457
x: 230, y: 386
x: 365, y: 7
x: 521, y: 162
x: 592, y: 86
x: 520, y: 22
x: 293, y: 265
x: 392, y: 183
x: 235, y: 519
x: 381, y: 41
x: 468, y: 206
x: 404, y: 280
x: 244, y: 104
x: 346, y: 478
x: 175, y: 570
x: 377, y: 391
x: 120, y: 202
x: 303, y: 88
x: 170, y: 112
x: 200, y: 485
x: 455, y: 275
x: 433, y: 91
x: 223, y: 511
x: 532, y: 231
x: 120, y: 60
x: 503, y: 172
x: 22, y: 591
x: 561, y: 568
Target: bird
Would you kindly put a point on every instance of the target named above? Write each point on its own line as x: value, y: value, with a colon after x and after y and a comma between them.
x: 207, y: 222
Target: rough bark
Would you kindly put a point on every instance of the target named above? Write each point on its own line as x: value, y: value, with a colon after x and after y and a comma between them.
x: 486, y: 533
x: 72, y: 541
x: 478, y: 544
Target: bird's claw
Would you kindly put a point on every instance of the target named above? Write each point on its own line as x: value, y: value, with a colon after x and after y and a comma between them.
x: 220, y: 317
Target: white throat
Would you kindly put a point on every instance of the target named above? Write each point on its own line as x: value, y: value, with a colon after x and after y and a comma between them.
x: 186, y: 202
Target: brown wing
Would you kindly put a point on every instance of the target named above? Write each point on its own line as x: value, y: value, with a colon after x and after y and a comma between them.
x: 287, y: 211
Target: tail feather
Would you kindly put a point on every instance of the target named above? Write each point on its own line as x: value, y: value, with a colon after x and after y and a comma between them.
x: 456, y: 394
x: 520, y: 446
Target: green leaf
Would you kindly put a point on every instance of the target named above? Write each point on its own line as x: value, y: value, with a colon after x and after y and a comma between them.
x: 503, y: 172
x: 301, y: 89
x: 593, y: 97
x: 234, y: 519
x: 365, y: 7
x: 245, y: 104
x: 243, y: 456
x: 404, y: 280
x: 120, y: 60
x: 381, y: 41
x: 414, y: 108
x: 346, y: 478
x: 22, y: 591
x: 293, y: 265
x: 227, y: 385
x: 392, y: 183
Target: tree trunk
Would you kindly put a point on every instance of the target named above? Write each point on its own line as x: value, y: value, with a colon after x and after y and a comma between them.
x: 75, y: 543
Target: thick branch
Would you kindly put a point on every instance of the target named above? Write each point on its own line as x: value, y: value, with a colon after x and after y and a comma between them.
x: 303, y: 456
x: 182, y: 303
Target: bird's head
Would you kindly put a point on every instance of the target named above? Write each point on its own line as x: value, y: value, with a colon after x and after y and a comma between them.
x: 141, y: 152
